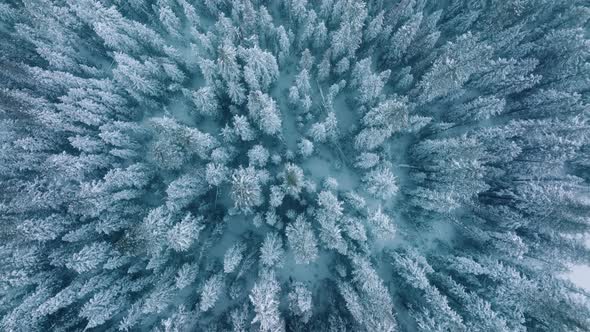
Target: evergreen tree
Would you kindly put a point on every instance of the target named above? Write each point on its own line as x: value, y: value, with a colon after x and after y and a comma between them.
x: 233, y: 256
x: 246, y: 192
x: 381, y: 183
x: 263, y: 110
x: 211, y: 291
x: 300, y: 302
x: 302, y: 241
x: 271, y: 252
x: 266, y: 305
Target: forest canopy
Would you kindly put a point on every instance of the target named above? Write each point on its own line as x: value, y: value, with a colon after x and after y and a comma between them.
x: 294, y: 165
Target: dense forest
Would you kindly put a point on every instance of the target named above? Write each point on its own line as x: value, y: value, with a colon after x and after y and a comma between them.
x: 294, y: 165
